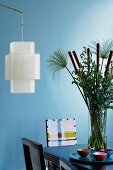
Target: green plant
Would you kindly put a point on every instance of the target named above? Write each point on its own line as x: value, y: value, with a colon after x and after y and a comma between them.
x: 94, y: 81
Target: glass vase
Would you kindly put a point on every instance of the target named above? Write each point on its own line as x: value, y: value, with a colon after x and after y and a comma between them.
x: 97, y: 135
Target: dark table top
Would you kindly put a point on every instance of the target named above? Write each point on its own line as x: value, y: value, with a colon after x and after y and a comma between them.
x: 55, y: 153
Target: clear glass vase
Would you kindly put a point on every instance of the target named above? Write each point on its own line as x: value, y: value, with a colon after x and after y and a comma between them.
x: 97, y: 134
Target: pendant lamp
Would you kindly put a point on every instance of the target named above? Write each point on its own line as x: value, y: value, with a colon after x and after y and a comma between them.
x: 22, y: 67
x: 22, y: 64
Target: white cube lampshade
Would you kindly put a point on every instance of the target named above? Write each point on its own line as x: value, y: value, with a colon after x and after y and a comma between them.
x: 22, y: 67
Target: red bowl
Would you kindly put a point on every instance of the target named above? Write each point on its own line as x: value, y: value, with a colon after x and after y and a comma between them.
x: 100, y: 156
x: 83, y: 152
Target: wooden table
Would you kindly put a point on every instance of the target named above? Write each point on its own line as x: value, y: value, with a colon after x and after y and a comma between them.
x: 53, y: 154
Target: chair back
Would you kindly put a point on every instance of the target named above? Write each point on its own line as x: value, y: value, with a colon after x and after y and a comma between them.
x: 33, y: 154
x: 61, y: 132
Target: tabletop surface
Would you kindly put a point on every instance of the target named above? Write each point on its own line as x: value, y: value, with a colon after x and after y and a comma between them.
x: 55, y: 153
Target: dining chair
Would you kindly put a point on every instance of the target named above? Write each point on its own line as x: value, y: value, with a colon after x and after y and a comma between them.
x: 33, y: 154
x: 64, y: 165
x: 61, y: 132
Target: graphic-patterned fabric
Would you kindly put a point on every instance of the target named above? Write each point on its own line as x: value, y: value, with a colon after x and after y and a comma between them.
x: 61, y: 132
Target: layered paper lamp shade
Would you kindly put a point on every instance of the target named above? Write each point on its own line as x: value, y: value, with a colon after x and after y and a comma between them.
x: 22, y: 67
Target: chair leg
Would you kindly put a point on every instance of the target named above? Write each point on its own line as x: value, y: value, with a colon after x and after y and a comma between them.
x: 52, y: 166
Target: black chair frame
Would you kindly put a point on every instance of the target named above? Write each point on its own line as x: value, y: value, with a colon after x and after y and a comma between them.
x: 29, y: 144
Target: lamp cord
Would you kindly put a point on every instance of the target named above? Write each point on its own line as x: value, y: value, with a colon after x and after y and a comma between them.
x: 22, y: 22
x: 22, y: 27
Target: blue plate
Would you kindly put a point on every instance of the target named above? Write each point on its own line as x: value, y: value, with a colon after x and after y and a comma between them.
x: 89, y: 159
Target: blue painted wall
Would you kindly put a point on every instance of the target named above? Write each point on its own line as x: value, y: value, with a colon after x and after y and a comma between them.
x: 68, y: 24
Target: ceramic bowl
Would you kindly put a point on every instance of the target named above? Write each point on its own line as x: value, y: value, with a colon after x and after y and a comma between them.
x: 100, y: 156
x: 108, y: 151
x: 83, y: 152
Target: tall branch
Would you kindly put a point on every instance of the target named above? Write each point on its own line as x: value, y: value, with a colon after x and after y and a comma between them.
x: 72, y: 60
x: 88, y: 58
x: 108, y: 63
x: 76, y: 58
x: 98, y: 56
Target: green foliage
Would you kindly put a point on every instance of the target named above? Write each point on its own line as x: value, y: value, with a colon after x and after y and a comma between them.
x: 94, y: 80
x: 57, y: 62
x: 97, y: 89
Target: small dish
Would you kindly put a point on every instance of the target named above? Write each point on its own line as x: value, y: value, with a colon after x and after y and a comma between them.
x: 108, y: 151
x: 83, y: 152
x: 100, y: 156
